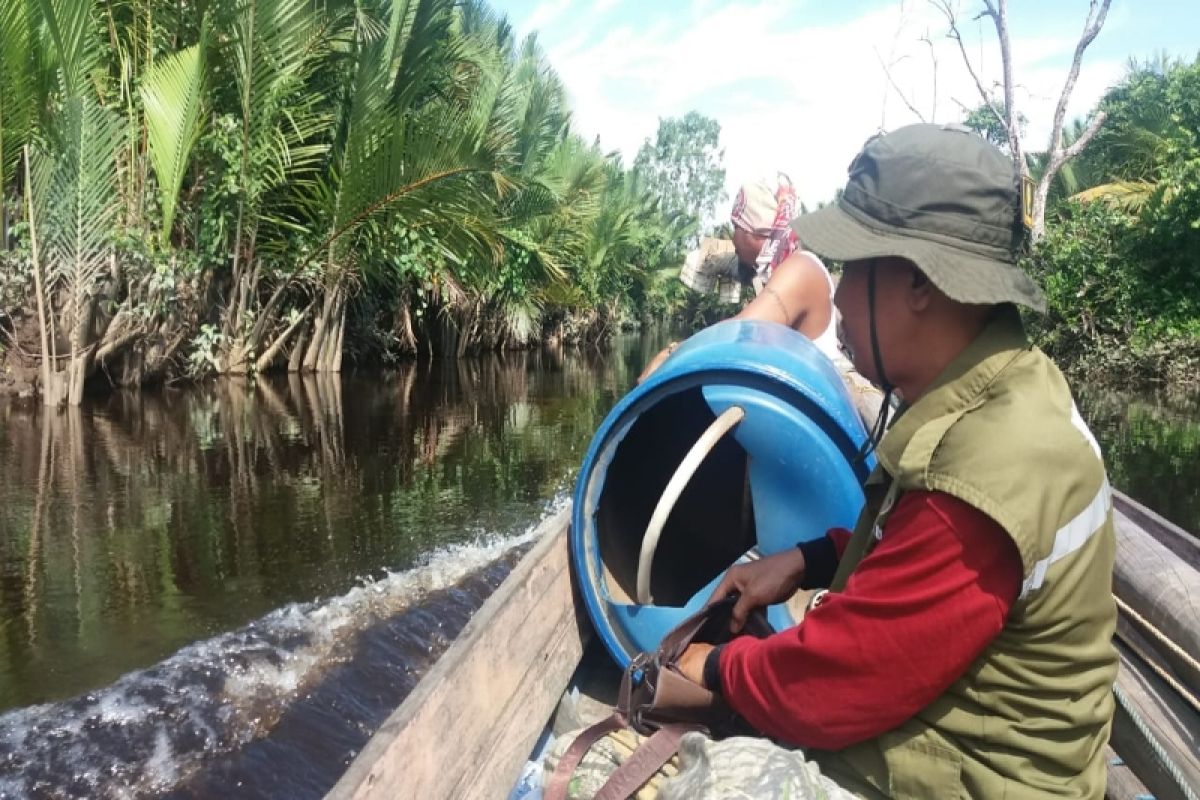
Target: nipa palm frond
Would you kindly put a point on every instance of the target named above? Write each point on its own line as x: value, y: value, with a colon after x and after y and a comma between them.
x: 76, y: 191
x: 435, y: 168
x: 273, y: 53
x: 173, y: 95
x: 71, y: 28
x: 418, y: 47
x: 18, y: 92
x: 1128, y: 195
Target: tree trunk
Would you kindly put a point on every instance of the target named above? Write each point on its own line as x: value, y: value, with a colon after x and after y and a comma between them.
x: 331, y: 347
x: 341, y: 339
x: 997, y: 10
x: 77, y: 375
x: 53, y: 383
x: 324, y: 351
x: 403, y: 328
x: 235, y: 360
x: 296, y: 357
x: 465, y: 331
x: 320, y: 328
x: 272, y: 352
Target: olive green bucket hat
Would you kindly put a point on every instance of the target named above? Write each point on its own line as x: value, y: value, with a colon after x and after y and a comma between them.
x: 940, y: 196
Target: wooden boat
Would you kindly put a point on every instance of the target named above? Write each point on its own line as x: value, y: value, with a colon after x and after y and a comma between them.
x: 468, y: 728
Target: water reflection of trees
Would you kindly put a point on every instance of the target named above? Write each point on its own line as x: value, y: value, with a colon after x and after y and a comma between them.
x: 1151, y: 446
x: 135, y: 525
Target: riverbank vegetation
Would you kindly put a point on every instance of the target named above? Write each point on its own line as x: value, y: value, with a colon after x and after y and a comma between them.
x: 1119, y: 258
x: 246, y: 185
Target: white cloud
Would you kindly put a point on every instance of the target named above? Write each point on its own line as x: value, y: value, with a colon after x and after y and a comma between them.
x: 793, y: 95
x: 545, y: 13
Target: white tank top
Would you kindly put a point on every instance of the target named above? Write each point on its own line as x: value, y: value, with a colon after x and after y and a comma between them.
x: 827, y: 342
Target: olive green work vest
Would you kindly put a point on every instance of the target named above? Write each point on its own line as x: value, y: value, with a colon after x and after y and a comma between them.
x: 1030, y: 717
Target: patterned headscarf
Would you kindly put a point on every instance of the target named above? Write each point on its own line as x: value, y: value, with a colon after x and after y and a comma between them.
x: 768, y: 211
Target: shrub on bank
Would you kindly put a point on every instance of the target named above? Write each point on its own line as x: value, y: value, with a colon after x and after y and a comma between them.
x: 1122, y: 285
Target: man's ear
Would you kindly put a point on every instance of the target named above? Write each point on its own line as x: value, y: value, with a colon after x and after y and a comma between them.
x: 920, y: 290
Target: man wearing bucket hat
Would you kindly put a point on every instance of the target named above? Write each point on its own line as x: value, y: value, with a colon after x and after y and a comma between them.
x: 964, y: 646
x: 792, y: 286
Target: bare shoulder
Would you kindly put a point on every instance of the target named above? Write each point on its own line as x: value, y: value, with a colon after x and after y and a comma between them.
x: 802, y: 272
x: 798, y: 294
x: 811, y: 263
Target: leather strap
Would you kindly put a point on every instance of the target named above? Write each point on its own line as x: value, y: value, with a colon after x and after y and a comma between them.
x: 559, y: 780
x: 646, y: 760
x: 863, y: 540
x: 657, y: 750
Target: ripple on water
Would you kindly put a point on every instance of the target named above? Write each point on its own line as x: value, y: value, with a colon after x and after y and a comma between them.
x: 276, y: 708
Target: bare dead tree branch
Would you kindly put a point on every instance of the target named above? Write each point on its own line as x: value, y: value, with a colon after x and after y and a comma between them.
x: 953, y: 33
x: 1059, y: 156
x: 1090, y: 131
x: 999, y: 14
x: 966, y: 109
x: 1091, y: 28
x: 1056, y: 155
x: 933, y: 59
x: 887, y: 70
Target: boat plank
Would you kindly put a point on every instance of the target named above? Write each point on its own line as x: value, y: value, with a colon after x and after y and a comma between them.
x: 1164, y: 590
x: 1159, y: 528
x: 1172, y: 723
x: 1122, y: 783
x: 510, y: 665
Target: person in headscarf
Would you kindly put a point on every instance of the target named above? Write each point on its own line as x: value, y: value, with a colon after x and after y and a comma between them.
x: 792, y: 286
x: 762, y: 233
x: 762, y: 240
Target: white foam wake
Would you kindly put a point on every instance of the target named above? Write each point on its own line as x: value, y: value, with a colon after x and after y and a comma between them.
x: 154, y: 727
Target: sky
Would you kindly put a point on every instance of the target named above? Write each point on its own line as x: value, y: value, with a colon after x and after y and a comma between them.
x: 799, y: 85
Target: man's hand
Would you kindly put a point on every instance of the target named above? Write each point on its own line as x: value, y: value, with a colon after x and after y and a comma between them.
x: 691, y: 663
x: 769, y: 580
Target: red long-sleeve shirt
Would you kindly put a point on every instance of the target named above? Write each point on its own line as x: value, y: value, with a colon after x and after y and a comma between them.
x: 914, y: 615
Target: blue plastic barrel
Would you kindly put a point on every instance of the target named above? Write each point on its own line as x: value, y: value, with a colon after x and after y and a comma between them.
x: 786, y: 473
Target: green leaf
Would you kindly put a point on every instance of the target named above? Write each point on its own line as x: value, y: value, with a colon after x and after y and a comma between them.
x: 173, y: 95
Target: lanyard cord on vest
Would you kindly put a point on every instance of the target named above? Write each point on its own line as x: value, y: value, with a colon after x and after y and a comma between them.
x: 880, y: 426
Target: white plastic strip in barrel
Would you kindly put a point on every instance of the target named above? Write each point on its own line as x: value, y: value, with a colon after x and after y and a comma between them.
x: 683, y: 473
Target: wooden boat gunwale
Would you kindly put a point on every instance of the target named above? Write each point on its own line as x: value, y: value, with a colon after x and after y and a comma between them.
x: 470, y: 724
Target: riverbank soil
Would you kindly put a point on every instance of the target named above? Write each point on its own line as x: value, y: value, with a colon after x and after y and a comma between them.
x: 19, y: 367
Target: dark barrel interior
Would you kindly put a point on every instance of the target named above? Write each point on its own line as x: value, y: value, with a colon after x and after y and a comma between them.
x: 712, y: 522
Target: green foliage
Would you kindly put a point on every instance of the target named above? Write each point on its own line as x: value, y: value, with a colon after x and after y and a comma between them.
x: 206, y: 345
x: 16, y: 280
x: 1147, y: 113
x: 983, y: 119
x: 18, y: 91
x: 174, y: 99
x: 683, y: 165
x: 210, y: 174
x: 1121, y: 276
x: 1118, y: 260
x: 74, y: 179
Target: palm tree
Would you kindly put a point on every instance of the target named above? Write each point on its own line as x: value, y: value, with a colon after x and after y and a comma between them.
x: 175, y: 100
x: 408, y: 147
x: 19, y: 94
x: 74, y: 175
x: 1122, y: 164
x: 273, y: 49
